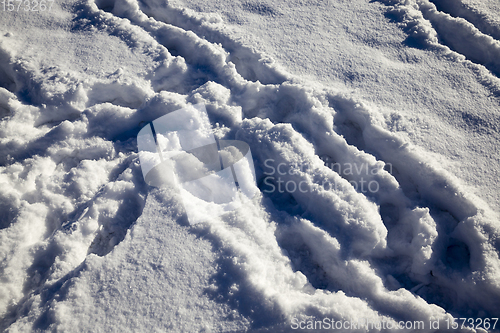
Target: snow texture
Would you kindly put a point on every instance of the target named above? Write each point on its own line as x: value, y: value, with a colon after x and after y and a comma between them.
x: 87, y: 245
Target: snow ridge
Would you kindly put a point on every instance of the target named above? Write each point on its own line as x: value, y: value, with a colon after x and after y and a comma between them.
x: 480, y: 19
x: 73, y: 187
x: 474, y: 42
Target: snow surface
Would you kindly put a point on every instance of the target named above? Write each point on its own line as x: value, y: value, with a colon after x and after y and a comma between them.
x: 404, y: 91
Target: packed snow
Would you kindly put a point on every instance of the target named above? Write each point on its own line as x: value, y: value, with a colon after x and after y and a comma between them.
x: 374, y: 134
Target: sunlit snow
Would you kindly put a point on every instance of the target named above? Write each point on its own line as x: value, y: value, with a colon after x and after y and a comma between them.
x: 371, y: 194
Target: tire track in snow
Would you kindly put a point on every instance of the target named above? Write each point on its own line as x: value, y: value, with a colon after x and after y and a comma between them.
x: 363, y: 233
x: 463, y: 37
x: 61, y: 164
x: 279, y: 106
x: 426, y: 26
x: 249, y: 63
x: 474, y: 16
x: 451, y: 210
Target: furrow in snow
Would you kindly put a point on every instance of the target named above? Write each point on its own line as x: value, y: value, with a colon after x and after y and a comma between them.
x: 249, y: 63
x: 481, y: 20
x: 463, y: 37
x: 325, y: 249
x: 452, y: 37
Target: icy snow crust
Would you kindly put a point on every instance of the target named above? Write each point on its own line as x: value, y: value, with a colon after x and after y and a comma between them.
x: 86, y: 245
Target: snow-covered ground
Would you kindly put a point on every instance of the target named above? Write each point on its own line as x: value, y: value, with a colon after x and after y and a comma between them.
x: 374, y: 130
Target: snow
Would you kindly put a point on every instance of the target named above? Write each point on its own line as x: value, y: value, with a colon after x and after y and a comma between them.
x: 372, y: 128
